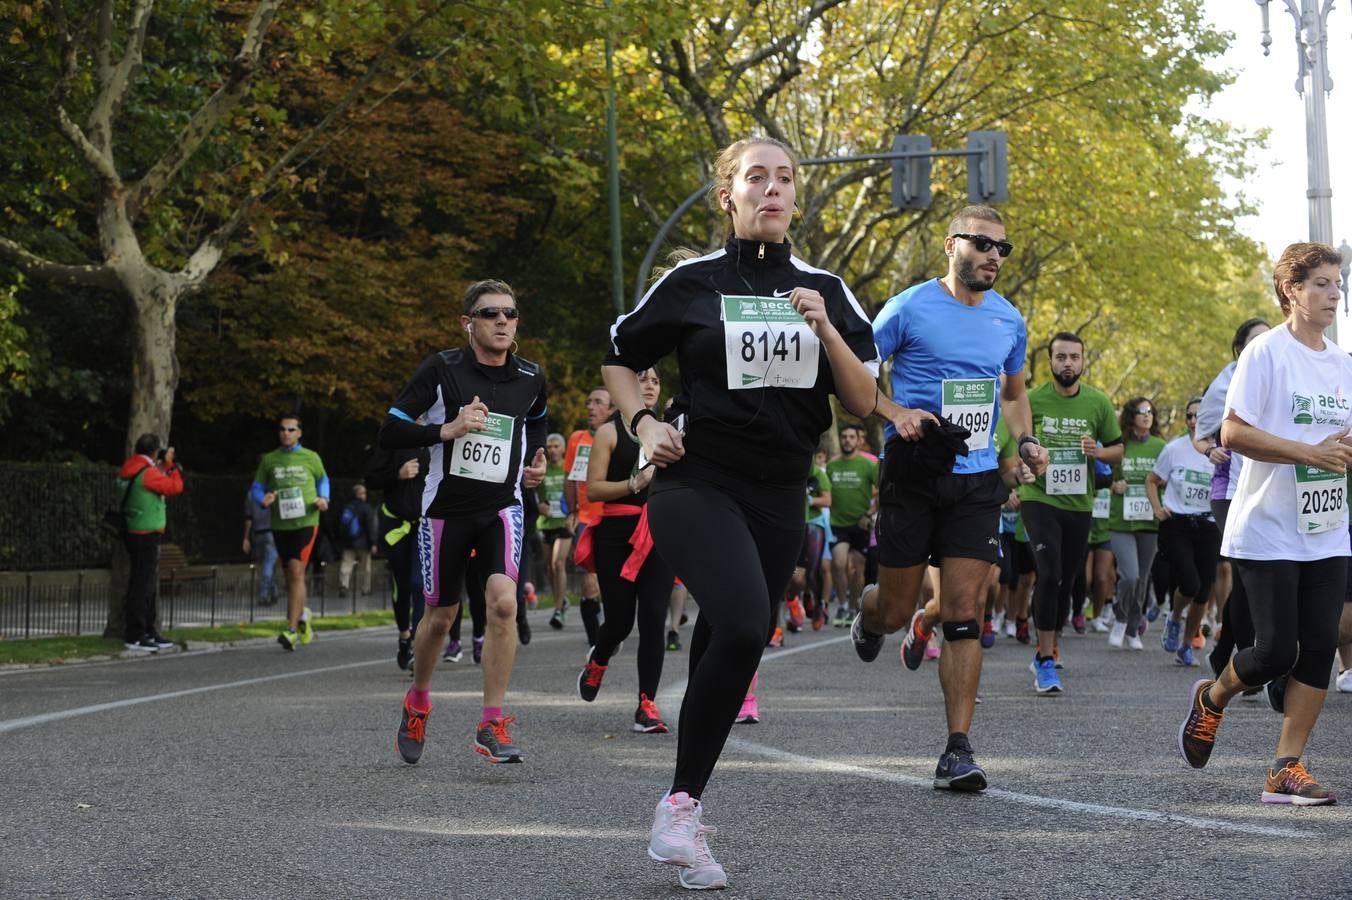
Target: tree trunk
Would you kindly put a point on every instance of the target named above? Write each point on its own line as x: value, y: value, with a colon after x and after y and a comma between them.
x: 154, y: 367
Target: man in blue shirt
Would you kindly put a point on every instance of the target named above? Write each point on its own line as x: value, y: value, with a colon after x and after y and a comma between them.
x: 957, y: 350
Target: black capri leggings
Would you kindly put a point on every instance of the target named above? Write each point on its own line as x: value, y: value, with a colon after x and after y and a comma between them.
x: 647, y: 597
x: 1060, y: 540
x: 1295, y: 607
x: 1192, y: 545
x: 734, y: 545
x: 401, y: 558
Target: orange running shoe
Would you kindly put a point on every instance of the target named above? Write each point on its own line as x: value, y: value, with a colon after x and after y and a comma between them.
x: 776, y: 639
x: 647, y: 718
x: 797, y: 616
x: 1197, y: 734
x: 1294, y: 785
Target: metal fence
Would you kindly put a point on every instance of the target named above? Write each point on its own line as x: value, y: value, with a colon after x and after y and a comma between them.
x: 220, y: 596
x: 52, y: 514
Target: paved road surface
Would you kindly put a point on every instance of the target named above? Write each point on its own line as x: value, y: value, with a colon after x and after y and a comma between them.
x: 250, y: 772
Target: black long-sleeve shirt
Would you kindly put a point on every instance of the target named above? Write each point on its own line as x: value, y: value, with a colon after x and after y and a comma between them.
x: 481, y: 471
x: 755, y: 381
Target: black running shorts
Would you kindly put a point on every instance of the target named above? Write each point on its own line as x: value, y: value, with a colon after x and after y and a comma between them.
x: 934, y: 518
x: 294, y: 543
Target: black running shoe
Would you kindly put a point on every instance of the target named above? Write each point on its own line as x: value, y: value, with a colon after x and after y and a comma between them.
x: 523, y: 631
x: 673, y: 641
x: 866, y: 644
x: 404, y: 655
x: 493, y: 741
x: 958, y: 771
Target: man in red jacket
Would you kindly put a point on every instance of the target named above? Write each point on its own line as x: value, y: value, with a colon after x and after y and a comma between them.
x: 144, y: 483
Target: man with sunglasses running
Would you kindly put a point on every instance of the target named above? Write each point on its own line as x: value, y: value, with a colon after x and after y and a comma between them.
x: 481, y: 409
x: 957, y: 350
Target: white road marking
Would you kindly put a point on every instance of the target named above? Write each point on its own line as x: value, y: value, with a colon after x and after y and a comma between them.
x: 672, y: 695
x: 45, y: 718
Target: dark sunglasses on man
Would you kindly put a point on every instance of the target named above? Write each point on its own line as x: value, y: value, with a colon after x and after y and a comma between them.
x: 492, y: 312
x: 983, y: 244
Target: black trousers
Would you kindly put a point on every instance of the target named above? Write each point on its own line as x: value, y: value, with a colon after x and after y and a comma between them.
x: 645, y: 599
x: 734, y: 545
x: 1295, y: 607
x: 139, y: 602
x: 1059, y: 539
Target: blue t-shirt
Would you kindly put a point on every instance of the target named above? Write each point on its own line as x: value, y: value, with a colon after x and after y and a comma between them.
x: 932, y: 338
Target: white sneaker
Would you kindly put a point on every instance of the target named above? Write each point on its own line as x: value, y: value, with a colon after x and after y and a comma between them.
x: 1118, y: 633
x: 1344, y: 681
x: 998, y: 622
x: 1134, y: 643
x: 706, y: 874
x: 1010, y: 628
x: 1100, y: 625
x: 675, y: 823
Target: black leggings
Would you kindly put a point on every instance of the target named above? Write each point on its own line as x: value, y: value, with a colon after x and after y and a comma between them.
x: 1192, y: 546
x: 1296, y: 607
x: 647, y: 596
x: 474, y: 584
x: 1236, y: 621
x: 734, y: 545
x: 401, y: 558
x: 1060, y: 540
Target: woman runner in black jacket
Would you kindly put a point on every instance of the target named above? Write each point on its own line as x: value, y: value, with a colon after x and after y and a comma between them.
x: 763, y: 339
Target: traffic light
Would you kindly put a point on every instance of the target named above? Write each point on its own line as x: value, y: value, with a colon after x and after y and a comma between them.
x: 911, y: 176
x: 987, y: 174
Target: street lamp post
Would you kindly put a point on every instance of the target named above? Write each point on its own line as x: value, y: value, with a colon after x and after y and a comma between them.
x: 1312, y: 82
x: 1346, y: 251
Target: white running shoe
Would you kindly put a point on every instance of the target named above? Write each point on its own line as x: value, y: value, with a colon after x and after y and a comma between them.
x: 998, y: 622
x: 1118, y: 633
x: 675, y: 823
x: 1100, y: 625
x: 1010, y: 628
x: 1345, y: 681
x: 1134, y: 643
x: 706, y: 874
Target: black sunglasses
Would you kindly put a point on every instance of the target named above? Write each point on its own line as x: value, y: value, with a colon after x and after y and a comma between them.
x: 492, y: 312
x: 1190, y: 415
x: 1144, y: 411
x: 287, y: 428
x: 983, y: 244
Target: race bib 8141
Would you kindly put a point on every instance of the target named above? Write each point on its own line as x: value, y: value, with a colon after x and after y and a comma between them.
x: 767, y: 344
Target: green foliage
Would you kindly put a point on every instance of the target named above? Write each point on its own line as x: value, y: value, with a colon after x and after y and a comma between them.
x: 478, y: 150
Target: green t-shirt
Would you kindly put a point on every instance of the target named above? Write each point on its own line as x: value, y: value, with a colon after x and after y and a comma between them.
x: 1137, y: 462
x: 294, y: 475
x: 1058, y: 423
x: 817, y: 482
x: 551, y: 492
x: 852, y: 484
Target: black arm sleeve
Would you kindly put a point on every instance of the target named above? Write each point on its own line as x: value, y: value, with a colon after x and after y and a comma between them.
x: 638, y: 339
x: 400, y: 429
x: 397, y: 434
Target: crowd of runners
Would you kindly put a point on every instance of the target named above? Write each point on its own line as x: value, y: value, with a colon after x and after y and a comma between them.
x: 991, y: 512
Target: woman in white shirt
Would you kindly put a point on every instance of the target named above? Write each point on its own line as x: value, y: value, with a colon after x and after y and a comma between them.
x: 1287, y: 412
x: 1188, y: 537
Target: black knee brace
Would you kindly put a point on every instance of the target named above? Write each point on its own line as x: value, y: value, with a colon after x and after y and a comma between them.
x: 962, y: 631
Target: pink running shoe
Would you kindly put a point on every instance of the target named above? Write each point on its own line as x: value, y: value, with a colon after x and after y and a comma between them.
x: 749, y: 714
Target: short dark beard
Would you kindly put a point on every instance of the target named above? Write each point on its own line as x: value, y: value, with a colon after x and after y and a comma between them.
x: 1064, y: 382
x: 967, y: 274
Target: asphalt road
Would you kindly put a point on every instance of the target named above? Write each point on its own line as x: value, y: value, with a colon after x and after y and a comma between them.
x: 251, y: 772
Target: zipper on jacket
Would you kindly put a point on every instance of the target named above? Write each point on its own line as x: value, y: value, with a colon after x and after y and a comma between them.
x: 760, y: 254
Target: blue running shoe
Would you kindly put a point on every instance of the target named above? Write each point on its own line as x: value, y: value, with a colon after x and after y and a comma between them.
x: 1047, y: 681
x: 1152, y: 612
x: 1185, y: 656
x: 958, y: 771
x: 1170, y: 636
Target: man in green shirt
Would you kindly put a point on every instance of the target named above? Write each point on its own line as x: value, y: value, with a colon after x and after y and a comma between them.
x: 292, y: 485
x: 1070, y: 420
x: 854, y: 487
